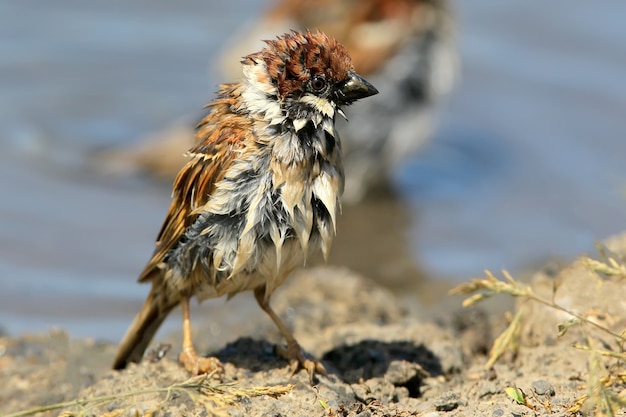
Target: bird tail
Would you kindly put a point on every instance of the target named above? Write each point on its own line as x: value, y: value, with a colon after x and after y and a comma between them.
x: 141, y: 331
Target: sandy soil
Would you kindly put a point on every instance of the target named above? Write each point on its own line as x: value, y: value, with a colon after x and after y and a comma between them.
x: 384, y: 360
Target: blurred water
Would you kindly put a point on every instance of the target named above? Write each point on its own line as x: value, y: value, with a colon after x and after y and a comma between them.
x: 527, y: 164
x: 529, y: 160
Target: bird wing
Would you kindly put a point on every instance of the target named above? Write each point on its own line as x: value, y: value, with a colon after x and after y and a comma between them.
x: 219, y: 138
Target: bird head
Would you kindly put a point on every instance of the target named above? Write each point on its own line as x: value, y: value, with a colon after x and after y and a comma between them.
x: 302, y: 75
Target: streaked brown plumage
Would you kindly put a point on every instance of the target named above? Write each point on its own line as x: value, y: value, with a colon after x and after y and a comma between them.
x: 260, y: 191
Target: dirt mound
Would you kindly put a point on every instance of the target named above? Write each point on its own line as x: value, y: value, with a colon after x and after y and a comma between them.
x: 382, y: 361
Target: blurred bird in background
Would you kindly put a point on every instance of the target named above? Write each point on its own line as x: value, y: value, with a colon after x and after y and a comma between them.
x: 406, y: 48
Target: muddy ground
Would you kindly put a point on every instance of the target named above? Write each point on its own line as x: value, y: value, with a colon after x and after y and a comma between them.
x: 383, y: 358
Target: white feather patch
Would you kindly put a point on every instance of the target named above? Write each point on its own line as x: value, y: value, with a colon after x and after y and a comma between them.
x: 326, y: 238
x: 320, y: 104
x: 302, y: 227
x: 256, y: 94
x: 292, y: 194
x: 278, y: 238
x: 325, y: 188
x: 329, y: 127
x: 299, y: 124
x: 244, y: 252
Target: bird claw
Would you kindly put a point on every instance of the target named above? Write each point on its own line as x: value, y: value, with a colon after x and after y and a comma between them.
x: 199, y: 365
x: 298, y: 360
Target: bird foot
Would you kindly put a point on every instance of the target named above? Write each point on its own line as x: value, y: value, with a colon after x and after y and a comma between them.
x: 298, y: 360
x: 198, y: 365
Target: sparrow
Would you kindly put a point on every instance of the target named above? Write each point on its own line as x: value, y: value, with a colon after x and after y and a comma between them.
x: 405, y: 47
x: 259, y: 194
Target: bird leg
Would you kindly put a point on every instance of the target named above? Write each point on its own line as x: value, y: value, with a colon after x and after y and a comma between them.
x: 188, y: 357
x: 293, y: 353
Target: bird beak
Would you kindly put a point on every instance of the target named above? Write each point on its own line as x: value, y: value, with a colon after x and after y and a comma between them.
x: 356, y: 87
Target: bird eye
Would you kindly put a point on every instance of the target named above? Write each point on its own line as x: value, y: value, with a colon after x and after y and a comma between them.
x: 318, y: 83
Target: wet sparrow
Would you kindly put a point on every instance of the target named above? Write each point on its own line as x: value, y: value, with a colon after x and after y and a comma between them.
x: 259, y: 193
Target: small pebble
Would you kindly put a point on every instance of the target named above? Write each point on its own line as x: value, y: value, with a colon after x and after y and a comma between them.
x: 542, y: 387
x: 447, y: 402
x: 402, y: 372
x: 133, y: 412
x: 498, y: 412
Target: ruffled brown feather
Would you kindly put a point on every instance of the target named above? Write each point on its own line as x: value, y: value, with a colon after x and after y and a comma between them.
x: 220, y: 135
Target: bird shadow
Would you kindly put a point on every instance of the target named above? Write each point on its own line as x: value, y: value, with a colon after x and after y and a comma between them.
x: 254, y: 355
x: 350, y: 363
x: 372, y: 359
